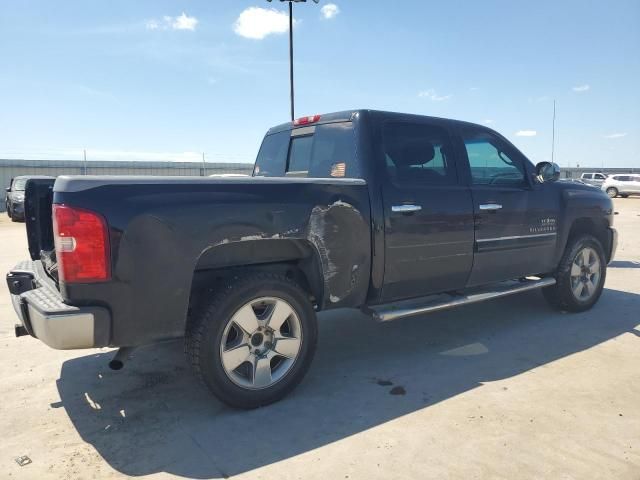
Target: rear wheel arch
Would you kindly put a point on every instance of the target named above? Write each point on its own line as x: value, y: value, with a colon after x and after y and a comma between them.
x: 295, y: 259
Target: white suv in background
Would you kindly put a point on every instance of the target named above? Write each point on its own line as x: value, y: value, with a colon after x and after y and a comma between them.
x: 623, y: 185
x: 595, y: 179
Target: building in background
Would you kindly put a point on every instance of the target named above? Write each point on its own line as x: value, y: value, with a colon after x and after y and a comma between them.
x: 14, y: 168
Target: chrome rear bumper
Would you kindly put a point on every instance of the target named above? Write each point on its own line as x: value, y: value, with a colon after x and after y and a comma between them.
x: 44, y: 314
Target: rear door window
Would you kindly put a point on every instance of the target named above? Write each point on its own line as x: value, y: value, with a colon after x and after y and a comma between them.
x: 418, y: 154
x: 587, y: 176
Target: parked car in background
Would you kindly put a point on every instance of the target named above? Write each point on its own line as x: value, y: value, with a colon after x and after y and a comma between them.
x: 593, y: 178
x: 14, y: 199
x: 623, y: 185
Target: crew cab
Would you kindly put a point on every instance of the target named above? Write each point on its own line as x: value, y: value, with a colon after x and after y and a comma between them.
x: 394, y: 214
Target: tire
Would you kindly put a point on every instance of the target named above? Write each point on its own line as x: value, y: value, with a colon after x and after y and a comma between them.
x: 579, y: 293
x: 236, y: 323
x: 612, y: 192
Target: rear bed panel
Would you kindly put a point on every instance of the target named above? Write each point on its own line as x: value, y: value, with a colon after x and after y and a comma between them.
x: 160, y: 227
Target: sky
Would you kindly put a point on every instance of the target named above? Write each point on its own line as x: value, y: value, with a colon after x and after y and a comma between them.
x: 168, y: 80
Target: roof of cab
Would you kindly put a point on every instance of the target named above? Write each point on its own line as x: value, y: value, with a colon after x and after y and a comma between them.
x: 348, y: 115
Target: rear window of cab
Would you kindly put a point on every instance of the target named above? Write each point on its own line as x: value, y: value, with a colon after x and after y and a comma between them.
x: 320, y: 151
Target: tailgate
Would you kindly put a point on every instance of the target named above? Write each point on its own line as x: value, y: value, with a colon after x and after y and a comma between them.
x: 37, y: 212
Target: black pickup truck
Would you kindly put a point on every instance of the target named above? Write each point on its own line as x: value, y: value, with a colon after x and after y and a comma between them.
x: 393, y: 214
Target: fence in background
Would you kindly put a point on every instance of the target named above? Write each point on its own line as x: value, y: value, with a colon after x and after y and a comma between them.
x: 13, y: 168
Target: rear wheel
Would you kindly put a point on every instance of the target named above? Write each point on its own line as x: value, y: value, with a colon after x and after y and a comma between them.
x: 580, y: 276
x: 612, y: 192
x: 254, y: 341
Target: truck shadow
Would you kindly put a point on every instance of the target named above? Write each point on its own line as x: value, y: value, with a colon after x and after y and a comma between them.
x: 154, y: 417
x: 624, y: 264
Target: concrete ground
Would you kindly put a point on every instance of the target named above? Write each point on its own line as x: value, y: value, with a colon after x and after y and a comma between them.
x: 507, y: 389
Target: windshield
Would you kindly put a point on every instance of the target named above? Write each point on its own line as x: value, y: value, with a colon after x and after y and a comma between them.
x: 19, y: 184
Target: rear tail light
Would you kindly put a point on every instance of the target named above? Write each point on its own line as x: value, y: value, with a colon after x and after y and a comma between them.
x: 82, y: 245
x: 307, y: 120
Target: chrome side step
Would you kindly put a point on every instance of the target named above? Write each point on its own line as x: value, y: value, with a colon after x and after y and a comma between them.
x: 389, y: 312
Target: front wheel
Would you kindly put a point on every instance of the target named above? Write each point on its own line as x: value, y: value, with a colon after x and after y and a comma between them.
x: 580, y: 276
x: 254, y: 341
x: 612, y: 192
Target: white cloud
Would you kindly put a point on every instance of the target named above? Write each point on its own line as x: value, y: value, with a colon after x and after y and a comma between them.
x: 526, y: 133
x: 257, y: 23
x: 615, y: 135
x: 184, y: 22
x: 181, y: 22
x: 487, y: 121
x: 329, y: 11
x: 433, y: 96
x: 581, y: 88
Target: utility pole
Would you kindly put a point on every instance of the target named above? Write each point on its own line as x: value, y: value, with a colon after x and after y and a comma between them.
x: 291, y: 89
x: 553, y: 133
x: 291, y: 60
x: 204, y: 166
x: 85, y: 161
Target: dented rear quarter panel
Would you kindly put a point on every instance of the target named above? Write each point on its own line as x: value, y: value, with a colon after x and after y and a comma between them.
x: 160, y: 228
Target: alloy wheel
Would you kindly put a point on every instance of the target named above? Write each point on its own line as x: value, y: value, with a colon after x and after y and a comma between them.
x: 585, y: 274
x: 261, y: 343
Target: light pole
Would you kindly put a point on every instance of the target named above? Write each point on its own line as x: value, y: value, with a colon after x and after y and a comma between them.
x: 291, y: 51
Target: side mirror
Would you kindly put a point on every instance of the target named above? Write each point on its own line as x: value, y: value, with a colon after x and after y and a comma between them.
x: 8, y: 189
x: 547, y: 172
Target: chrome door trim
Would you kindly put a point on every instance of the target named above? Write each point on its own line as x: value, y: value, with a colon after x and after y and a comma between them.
x: 517, y: 237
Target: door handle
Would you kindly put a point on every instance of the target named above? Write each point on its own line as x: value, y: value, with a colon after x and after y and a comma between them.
x: 490, y: 206
x: 406, y: 208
